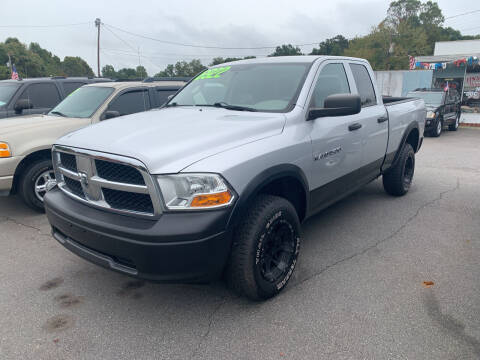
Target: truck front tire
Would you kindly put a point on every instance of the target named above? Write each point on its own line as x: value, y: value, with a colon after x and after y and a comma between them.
x: 265, y: 248
x: 33, y: 183
x: 397, y: 179
x: 437, y: 130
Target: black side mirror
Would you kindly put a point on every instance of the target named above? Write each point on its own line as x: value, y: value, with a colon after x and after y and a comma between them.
x: 21, y: 105
x: 169, y: 97
x: 110, y: 114
x: 337, y: 105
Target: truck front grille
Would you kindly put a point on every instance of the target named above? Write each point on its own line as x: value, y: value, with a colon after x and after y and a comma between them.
x: 106, y: 181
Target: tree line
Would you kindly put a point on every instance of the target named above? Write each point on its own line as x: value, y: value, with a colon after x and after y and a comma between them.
x: 411, y: 27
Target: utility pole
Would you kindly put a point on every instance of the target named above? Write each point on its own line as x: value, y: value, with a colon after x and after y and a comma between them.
x: 97, y: 24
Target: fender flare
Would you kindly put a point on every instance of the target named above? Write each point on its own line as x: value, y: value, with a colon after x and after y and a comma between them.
x: 413, y: 125
x: 259, y: 181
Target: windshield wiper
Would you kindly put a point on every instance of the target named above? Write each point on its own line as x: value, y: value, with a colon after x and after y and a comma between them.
x: 58, y: 113
x: 224, y: 105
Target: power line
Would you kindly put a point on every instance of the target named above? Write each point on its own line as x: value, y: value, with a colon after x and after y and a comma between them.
x: 466, y: 13
x: 201, y: 46
x: 44, y: 26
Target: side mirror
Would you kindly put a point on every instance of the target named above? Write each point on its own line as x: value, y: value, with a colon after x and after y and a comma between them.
x: 21, y: 105
x: 169, y: 97
x: 337, y: 105
x: 110, y: 114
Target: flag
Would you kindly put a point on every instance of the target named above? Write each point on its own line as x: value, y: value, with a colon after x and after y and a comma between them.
x: 14, y: 73
x: 412, y: 61
x: 446, y: 87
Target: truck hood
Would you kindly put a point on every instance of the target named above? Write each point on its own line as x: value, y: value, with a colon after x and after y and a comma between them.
x: 27, y: 122
x: 170, y: 139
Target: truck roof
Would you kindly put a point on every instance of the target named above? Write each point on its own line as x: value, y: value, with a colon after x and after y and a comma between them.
x: 46, y: 79
x: 308, y: 59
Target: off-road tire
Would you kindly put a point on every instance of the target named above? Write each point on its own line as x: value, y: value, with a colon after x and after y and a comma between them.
x: 246, y: 273
x: 26, y: 185
x: 398, y: 179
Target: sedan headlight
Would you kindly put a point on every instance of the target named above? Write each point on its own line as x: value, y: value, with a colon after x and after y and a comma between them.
x: 431, y: 114
x: 194, y: 191
x: 5, y: 150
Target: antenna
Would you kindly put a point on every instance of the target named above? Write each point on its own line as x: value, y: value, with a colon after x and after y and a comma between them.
x: 97, y: 24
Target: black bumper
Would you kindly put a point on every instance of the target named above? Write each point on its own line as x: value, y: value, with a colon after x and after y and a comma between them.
x: 190, y: 246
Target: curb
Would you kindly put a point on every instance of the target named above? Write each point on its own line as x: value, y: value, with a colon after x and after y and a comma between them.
x: 470, y: 124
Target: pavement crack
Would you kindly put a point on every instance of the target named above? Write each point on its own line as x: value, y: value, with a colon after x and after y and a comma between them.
x: 385, y: 239
x: 209, y: 327
x: 10, y: 219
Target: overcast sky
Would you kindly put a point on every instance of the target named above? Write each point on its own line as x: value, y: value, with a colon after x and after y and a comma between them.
x: 245, y: 23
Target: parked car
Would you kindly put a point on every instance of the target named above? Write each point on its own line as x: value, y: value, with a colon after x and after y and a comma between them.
x: 26, y: 141
x: 443, y: 109
x: 37, y: 95
x: 222, y: 177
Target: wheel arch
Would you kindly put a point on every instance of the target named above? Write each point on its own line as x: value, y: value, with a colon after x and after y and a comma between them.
x: 40, y: 154
x: 285, y: 180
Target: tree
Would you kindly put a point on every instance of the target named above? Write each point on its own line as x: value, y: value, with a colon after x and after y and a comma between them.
x: 109, y: 72
x: 333, y: 46
x: 76, y: 66
x: 141, y: 72
x: 286, y: 50
x: 182, y: 68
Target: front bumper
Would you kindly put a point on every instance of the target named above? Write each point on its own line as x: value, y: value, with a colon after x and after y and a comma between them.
x: 177, y: 247
x: 7, y: 169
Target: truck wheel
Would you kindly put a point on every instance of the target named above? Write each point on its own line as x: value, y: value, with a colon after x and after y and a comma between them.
x: 438, y: 128
x: 397, y: 180
x: 37, y: 177
x: 265, y: 248
x: 454, y: 126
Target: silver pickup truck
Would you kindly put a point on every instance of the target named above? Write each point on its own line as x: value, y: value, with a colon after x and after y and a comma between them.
x: 219, y: 180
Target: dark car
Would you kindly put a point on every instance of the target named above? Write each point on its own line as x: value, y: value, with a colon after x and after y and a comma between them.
x: 443, y: 109
x: 37, y: 95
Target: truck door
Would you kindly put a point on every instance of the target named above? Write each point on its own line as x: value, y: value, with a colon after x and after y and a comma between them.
x: 336, y: 142
x: 374, y: 121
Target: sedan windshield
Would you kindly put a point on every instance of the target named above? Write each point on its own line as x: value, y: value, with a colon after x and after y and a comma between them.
x: 6, y: 92
x: 83, y: 102
x: 430, y: 98
x: 245, y: 87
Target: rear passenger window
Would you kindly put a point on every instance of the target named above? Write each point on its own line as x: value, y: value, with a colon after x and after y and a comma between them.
x: 364, y: 84
x: 162, y: 95
x: 43, y: 95
x: 332, y: 80
x: 131, y: 102
x: 70, y: 87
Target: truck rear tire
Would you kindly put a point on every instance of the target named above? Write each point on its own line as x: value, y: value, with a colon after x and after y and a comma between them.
x: 33, y: 183
x: 265, y: 248
x: 398, y: 179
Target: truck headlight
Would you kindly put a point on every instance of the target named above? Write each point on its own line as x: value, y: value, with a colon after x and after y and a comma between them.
x: 194, y: 191
x: 431, y: 114
x: 5, y: 150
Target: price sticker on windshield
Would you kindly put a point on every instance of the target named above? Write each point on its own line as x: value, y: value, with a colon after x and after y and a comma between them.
x: 213, y: 73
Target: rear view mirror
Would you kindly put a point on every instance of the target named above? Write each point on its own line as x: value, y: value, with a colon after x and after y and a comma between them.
x: 110, y: 114
x: 337, y: 105
x: 21, y: 105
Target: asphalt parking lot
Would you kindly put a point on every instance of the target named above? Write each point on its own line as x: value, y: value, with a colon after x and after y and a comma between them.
x: 358, y: 291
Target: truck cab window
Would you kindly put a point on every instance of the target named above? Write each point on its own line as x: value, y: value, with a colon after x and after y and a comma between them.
x: 332, y: 80
x: 43, y: 95
x: 69, y: 87
x: 162, y: 95
x: 131, y: 102
x: 364, y: 85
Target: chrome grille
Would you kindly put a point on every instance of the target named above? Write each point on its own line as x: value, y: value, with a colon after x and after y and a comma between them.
x: 106, y: 181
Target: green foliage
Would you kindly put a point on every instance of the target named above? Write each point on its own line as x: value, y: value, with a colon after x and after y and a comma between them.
x: 182, y: 68
x: 221, y: 60
x: 334, y: 46
x: 126, y: 73
x: 34, y: 61
x: 286, y: 50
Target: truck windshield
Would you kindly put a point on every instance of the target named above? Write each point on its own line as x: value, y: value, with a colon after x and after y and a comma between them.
x: 430, y: 98
x: 254, y: 87
x: 6, y: 92
x: 83, y: 102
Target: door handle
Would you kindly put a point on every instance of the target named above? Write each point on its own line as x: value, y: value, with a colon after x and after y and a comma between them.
x: 354, y: 126
x: 382, y: 119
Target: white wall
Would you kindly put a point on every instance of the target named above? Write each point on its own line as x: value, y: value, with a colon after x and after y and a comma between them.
x: 457, y: 47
